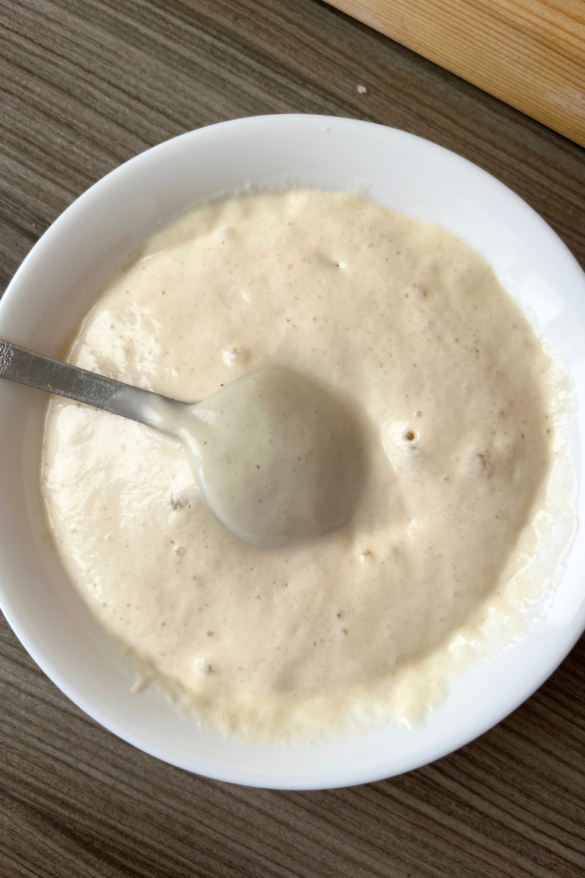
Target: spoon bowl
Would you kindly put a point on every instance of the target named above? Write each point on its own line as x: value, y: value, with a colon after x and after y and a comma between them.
x: 278, y: 458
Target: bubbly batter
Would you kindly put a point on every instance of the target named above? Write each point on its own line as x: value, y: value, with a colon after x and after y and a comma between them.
x: 448, y: 383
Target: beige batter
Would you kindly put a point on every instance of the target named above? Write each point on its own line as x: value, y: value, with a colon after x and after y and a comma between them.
x: 447, y: 382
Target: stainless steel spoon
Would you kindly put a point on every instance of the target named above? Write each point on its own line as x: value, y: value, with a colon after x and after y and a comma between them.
x: 277, y: 458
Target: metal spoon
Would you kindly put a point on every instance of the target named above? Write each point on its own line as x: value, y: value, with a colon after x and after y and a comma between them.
x: 277, y: 458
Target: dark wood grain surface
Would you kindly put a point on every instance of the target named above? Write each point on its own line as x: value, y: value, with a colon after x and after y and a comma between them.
x: 85, y: 85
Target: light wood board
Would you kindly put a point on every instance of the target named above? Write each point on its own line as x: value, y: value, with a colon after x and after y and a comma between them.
x: 529, y: 53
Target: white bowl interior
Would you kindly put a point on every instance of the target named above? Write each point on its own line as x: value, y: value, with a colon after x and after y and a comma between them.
x: 55, y: 287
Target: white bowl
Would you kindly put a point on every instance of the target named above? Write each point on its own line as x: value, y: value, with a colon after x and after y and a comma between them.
x: 54, y: 288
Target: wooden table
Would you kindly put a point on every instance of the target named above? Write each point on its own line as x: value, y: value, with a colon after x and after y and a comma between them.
x: 87, y: 84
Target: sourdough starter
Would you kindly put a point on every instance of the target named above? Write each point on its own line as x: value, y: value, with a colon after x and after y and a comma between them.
x: 448, y: 382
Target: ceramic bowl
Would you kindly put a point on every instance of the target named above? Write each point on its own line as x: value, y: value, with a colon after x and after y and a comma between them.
x: 54, y: 288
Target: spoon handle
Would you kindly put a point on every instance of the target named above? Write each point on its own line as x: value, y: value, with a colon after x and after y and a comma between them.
x: 25, y: 367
